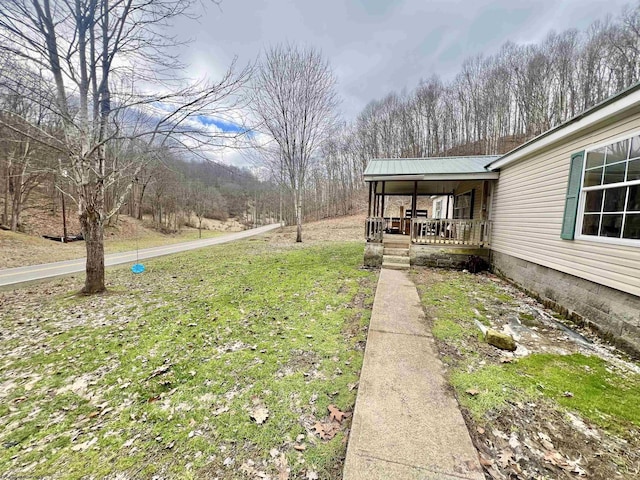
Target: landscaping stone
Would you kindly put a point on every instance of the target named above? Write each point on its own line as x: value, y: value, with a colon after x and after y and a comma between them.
x: 500, y: 340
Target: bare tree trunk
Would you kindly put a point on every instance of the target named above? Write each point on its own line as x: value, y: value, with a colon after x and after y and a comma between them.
x: 140, y: 199
x: 7, y: 188
x: 17, y: 205
x: 93, y: 231
x: 298, y: 209
x: 64, y: 218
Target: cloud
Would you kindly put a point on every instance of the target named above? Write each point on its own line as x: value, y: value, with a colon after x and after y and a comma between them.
x: 222, y: 125
x: 378, y: 46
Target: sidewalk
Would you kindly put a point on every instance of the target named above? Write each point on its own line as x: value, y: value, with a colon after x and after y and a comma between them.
x: 406, y: 424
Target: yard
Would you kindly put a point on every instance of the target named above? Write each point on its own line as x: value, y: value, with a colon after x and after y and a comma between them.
x: 564, y: 405
x: 240, y: 360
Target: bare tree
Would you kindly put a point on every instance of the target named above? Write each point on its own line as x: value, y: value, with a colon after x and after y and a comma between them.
x: 295, y: 99
x: 96, y: 53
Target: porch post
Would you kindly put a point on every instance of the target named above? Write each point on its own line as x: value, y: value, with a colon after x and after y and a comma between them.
x: 414, y: 200
x: 414, y: 206
x: 382, y: 209
x: 375, y: 199
x: 370, y: 190
x: 446, y: 212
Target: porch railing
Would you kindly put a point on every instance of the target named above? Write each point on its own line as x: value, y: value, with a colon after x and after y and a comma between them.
x: 451, y: 232
x: 374, y: 227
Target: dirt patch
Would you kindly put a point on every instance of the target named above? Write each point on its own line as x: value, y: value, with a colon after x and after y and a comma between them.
x: 355, y: 325
x: 535, y: 440
x: 306, y: 362
x: 341, y: 229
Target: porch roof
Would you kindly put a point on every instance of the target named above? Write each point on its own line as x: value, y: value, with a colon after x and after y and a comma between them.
x: 432, y: 168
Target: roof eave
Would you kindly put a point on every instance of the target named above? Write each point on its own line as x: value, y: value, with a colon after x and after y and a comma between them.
x: 601, y: 112
x: 432, y: 177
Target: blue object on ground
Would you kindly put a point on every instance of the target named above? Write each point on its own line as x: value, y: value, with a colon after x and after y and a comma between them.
x: 137, y: 268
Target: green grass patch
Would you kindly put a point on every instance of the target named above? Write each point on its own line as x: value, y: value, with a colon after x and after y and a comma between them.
x: 454, y: 303
x: 158, y: 376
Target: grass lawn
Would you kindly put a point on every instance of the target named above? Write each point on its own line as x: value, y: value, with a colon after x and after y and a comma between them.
x: 217, y: 363
x: 535, y: 414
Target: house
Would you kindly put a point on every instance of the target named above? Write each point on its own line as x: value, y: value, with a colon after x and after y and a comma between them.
x: 559, y: 215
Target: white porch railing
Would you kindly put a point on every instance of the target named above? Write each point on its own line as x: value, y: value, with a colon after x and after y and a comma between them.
x: 451, y: 232
x: 374, y: 226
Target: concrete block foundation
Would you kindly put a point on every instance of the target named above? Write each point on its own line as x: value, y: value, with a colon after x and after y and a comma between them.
x: 445, y: 256
x: 615, y: 315
x: 373, y: 253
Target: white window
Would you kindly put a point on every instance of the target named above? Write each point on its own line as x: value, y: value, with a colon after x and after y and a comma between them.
x: 437, y: 209
x: 463, y: 206
x: 610, y: 196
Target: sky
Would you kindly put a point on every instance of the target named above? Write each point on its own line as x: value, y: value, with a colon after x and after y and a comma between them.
x: 378, y: 46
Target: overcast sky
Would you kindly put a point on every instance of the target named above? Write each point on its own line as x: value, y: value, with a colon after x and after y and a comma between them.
x: 376, y: 46
x: 379, y: 46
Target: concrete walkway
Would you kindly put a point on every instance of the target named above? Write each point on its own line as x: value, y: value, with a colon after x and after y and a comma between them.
x: 406, y: 424
x: 12, y: 276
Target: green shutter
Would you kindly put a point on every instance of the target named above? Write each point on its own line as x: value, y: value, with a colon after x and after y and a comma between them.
x: 573, y: 196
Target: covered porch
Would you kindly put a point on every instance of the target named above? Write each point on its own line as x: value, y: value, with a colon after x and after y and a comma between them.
x: 446, y: 202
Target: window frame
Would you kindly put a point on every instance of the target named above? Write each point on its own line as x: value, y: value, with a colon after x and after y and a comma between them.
x: 437, y: 207
x: 471, y: 194
x: 583, y: 194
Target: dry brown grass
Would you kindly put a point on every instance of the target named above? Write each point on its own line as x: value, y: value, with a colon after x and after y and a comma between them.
x: 340, y: 229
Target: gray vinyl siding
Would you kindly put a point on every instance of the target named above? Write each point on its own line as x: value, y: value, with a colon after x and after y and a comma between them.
x: 528, y: 207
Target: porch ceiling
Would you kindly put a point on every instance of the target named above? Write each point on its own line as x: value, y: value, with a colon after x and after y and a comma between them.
x: 399, y: 187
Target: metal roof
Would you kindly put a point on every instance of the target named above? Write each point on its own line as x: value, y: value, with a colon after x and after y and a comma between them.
x: 382, y: 167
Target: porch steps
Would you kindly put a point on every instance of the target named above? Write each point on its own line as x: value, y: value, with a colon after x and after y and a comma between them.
x: 396, y: 262
x: 396, y: 244
x: 395, y: 255
x: 399, y: 252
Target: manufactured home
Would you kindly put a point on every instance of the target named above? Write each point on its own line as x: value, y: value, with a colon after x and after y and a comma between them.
x: 559, y: 215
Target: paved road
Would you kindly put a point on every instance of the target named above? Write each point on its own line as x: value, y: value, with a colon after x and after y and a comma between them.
x: 11, y: 276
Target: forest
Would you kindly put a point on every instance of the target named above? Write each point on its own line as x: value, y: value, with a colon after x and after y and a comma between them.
x: 495, y: 103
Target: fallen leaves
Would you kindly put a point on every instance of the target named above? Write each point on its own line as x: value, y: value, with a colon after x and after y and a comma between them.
x: 335, y: 414
x: 573, y: 466
x: 220, y: 410
x: 81, y: 447
x: 258, y: 412
x: 328, y: 428
x: 505, y: 457
x: 159, y: 371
